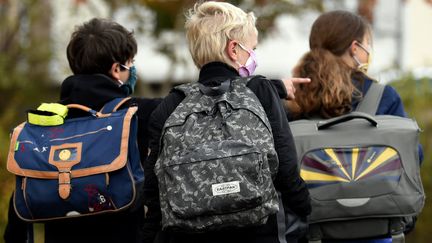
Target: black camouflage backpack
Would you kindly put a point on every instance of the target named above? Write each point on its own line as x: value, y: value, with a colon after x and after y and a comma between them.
x: 217, y: 160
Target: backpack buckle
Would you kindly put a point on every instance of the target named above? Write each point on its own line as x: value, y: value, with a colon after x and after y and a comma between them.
x: 64, y: 178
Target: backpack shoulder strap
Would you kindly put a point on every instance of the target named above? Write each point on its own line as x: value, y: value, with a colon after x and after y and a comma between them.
x: 187, y: 88
x: 190, y: 88
x: 369, y: 103
x: 242, y: 82
x: 217, y: 90
x: 114, y: 105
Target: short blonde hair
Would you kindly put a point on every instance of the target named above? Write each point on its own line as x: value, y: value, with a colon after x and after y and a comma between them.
x: 209, y: 27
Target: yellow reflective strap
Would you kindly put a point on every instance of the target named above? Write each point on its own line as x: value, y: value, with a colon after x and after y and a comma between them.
x: 43, y: 120
x: 54, y: 115
x: 56, y: 108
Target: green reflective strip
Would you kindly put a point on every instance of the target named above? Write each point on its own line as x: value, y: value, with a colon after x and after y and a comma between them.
x: 56, y: 108
x: 16, y: 146
x: 42, y: 120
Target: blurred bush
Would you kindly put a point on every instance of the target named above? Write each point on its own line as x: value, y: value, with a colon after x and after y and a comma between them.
x: 415, y: 94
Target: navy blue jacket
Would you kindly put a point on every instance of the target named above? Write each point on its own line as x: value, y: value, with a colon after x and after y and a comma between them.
x: 390, y: 104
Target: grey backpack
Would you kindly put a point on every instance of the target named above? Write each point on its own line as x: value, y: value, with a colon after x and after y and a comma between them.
x: 217, y: 160
x: 362, y: 171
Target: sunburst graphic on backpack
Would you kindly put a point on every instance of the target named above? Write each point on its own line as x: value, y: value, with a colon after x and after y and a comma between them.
x: 347, y: 165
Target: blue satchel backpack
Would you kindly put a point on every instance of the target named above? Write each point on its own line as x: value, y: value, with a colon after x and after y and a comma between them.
x: 78, y: 167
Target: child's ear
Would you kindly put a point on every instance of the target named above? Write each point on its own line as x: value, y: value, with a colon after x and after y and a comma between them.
x: 231, y: 50
x: 115, y: 71
x: 353, y: 47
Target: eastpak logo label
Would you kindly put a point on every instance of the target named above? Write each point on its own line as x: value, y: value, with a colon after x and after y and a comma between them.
x: 226, y: 188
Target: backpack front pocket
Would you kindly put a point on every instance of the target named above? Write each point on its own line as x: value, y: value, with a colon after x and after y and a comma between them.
x: 216, y: 182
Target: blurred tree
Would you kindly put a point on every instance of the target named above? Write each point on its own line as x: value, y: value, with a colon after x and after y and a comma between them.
x: 25, y: 53
x: 24, y: 72
x: 25, y: 57
x: 415, y: 95
x: 366, y: 9
x: 169, y: 17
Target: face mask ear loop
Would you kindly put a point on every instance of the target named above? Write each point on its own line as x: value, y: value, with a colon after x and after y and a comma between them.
x: 368, y: 52
x: 362, y: 66
x: 244, y: 48
x: 356, y: 60
x: 364, y: 48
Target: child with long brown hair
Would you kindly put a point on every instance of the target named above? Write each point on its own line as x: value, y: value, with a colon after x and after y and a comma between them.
x: 340, y: 52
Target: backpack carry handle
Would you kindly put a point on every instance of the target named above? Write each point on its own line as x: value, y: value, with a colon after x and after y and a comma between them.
x: 344, y: 118
x: 114, y: 105
x: 86, y: 109
x: 217, y: 90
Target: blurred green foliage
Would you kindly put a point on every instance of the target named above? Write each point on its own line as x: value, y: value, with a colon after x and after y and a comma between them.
x: 415, y: 94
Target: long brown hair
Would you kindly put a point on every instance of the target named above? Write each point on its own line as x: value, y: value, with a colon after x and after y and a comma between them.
x: 331, y: 90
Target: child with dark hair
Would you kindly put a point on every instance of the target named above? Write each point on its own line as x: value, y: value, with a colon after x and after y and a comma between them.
x: 100, y: 55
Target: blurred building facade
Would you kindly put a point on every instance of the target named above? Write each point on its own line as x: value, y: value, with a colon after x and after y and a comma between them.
x: 417, y: 34
x: 401, y: 36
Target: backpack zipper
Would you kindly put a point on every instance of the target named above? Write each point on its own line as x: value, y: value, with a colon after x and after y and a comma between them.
x: 107, y: 128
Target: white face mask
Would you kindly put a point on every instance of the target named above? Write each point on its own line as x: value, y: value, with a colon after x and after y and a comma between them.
x: 249, y: 68
x: 363, y: 66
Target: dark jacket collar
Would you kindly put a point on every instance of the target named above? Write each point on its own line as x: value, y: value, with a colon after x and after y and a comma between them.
x: 213, y: 73
x: 89, y: 90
